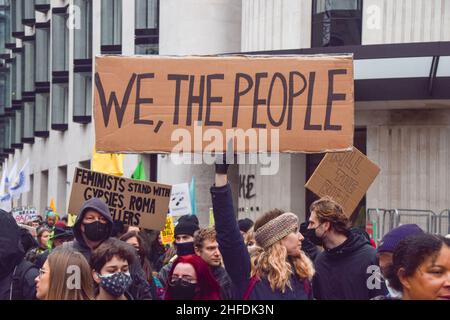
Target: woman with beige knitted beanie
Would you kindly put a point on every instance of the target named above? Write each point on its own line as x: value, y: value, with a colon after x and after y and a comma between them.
x: 278, y: 269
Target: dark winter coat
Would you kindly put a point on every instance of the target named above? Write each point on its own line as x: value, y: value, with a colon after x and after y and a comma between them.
x: 15, y: 272
x: 140, y: 288
x: 343, y: 273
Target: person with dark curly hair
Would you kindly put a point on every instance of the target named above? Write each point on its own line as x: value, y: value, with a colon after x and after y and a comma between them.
x: 421, y: 268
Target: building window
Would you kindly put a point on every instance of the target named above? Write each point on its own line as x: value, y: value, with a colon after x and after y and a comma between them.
x: 5, y: 26
x: 18, y: 130
x: 16, y: 18
x: 42, y: 5
x: 60, y: 69
x: 82, y: 103
x: 42, y: 84
x: 111, y: 26
x: 336, y: 23
x: 28, y: 13
x: 28, y: 95
x: 147, y: 27
x: 8, y: 137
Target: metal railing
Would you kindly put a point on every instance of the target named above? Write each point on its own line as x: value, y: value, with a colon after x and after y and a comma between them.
x: 443, y: 223
x: 381, y: 221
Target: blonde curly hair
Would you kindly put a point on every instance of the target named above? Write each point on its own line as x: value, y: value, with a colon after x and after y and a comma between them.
x: 275, y: 263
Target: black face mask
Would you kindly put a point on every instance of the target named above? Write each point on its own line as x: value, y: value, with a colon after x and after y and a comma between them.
x: 96, y: 231
x: 185, y: 248
x: 311, y: 235
x: 182, y: 290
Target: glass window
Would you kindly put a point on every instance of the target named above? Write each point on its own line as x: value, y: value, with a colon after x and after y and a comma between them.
x: 42, y: 100
x: 147, y: 26
x: 111, y: 26
x: 17, y: 16
x: 60, y: 50
x: 82, y: 78
x: 28, y: 11
x: 43, y: 55
x: 18, y: 130
x: 29, y: 92
x: 147, y: 12
x: 60, y: 71
x: 336, y: 23
x: 41, y: 117
x: 83, y: 35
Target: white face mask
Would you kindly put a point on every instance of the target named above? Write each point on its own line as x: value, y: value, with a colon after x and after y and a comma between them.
x: 392, y: 292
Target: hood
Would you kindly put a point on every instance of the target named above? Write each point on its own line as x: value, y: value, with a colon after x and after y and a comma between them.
x: 11, y: 250
x: 93, y: 204
x: 354, y: 242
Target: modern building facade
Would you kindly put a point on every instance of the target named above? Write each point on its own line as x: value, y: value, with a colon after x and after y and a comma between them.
x: 402, y: 81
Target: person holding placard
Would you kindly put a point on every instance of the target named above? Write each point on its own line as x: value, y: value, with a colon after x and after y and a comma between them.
x: 279, y: 270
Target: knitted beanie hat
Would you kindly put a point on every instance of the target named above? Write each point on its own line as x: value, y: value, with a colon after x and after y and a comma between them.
x: 276, y: 229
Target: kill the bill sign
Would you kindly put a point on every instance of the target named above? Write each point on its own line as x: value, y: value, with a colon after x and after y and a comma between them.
x: 153, y: 104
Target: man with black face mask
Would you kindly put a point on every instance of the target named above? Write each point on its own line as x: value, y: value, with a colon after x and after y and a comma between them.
x: 184, y: 243
x: 94, y: 226
x: 348, y: 267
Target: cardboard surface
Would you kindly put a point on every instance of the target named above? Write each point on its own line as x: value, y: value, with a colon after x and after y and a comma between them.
x: 157, y: 104
x: 135, y: 203
x: 168, y: 234
x: 180, y: 200
x: 344, y: 176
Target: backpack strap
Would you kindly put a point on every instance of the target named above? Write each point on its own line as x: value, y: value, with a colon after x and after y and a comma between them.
x: 251, y: 285
x: 17, y: 279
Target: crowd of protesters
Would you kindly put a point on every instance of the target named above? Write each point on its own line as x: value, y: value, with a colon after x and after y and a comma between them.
x: 274, y: 257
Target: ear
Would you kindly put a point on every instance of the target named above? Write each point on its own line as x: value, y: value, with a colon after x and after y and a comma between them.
x: 327, y: 225
x: 96, y: 277
x: 197, y: 251
x: 404, y: 280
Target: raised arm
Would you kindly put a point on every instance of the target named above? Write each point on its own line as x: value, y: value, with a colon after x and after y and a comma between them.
x: 234, y: 251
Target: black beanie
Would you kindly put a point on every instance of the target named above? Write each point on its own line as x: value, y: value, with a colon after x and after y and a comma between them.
x: 189, y: 218
x: 245, y: 224
x: 188, y: 228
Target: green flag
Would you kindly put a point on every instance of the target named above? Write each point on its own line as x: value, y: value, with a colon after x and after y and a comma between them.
x: 139, y: 172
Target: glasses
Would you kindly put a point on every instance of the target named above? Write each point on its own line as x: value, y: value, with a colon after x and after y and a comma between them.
x: 41, y: 272
x: 184, y: 280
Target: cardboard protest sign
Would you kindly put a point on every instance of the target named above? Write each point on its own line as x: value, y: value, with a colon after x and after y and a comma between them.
x: 160, y: 104
x: 180, y: 200
x: 168, y: 234
x: 344, y: 176
x: 23, y: 215
x: 135, y: 203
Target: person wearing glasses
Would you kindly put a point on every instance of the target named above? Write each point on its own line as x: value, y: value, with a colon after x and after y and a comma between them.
x: 191, y: 279
x: 65, y: 275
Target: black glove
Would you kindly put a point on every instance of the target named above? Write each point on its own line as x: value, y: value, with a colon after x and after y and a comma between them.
x: 224, y: 160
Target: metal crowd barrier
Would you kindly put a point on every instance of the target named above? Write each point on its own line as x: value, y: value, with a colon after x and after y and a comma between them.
x: 381, y: 221
x: 443, y: 225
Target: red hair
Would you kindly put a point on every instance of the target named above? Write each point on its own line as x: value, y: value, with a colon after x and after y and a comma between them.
x: 207, y: 286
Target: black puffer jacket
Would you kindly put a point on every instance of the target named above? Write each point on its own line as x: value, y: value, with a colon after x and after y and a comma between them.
x: 140, y: 288
x: 15, y: 272
x: 343, y: 273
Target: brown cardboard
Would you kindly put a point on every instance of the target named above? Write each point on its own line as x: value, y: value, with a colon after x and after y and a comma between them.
x: 344, y: 176
x: 319, y: 118
x: 136, y: 203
